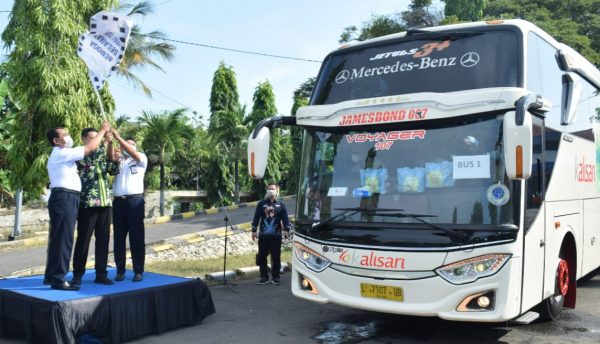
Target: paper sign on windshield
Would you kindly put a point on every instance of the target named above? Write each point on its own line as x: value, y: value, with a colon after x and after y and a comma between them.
x: 471, y: 166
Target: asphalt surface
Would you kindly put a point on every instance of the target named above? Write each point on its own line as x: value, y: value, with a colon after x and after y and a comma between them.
x: 19, y: 259
x: 270, y: 314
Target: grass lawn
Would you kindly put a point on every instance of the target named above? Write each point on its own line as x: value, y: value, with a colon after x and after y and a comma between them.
x: 201, y: 267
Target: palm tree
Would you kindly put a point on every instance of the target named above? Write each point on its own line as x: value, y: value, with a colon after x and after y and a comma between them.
x: 163, y: 133
x: 143, y: 47
x: 231, y: 135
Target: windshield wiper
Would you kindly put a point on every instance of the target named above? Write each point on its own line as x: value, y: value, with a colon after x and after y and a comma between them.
x: 454, y: 235
x: 352, y: 211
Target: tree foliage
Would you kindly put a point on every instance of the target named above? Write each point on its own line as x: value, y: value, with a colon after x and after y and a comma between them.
x: 163, y: 135
x: 48, y: 81
x: 224, y: 100
x: 264, y: 107
x: 575, y: 23
x: 230, y: 135
x: 224, y: 94
x: 143, y: 48
x: 378, y: 26
x: 465, y: 10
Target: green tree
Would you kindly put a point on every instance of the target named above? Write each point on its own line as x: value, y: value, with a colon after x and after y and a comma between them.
x: 143, y: 48
x: 231, y: 135
x: 421, y: 13
x: 224, y: 99
x: 264, y: 107
x: 48, y: 81
x: 378, y: 26
x: 163, y: 134
x: 465, y: 10
x: 190, y: 162
x: 575, y: 23
x: 301, y: 97
x: 224, y: 93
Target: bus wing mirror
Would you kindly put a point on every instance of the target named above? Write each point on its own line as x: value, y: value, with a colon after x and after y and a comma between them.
x: 518, y: 136
x: 571, y: 95
x: 258, y: 152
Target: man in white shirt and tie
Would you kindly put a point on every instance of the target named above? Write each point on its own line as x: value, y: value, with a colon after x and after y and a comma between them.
x: 128, y: 208
x: 63, y: 205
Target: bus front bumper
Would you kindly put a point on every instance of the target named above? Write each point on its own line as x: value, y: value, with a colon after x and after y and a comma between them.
x: 431, y: 296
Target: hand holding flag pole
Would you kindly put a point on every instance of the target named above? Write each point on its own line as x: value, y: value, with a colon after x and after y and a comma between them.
x: 103, y: 46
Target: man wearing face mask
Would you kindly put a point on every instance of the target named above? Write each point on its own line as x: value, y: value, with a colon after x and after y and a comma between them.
x: 128, y: 208
x: 270, y: 223
x: 63, y: 205
x: 94, y: 208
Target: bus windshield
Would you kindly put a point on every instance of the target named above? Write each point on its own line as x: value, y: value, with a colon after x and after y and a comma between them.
x: 437, y: 62
x: 449, y: 172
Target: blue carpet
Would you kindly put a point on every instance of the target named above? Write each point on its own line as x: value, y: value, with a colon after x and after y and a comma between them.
x: 33, y: 285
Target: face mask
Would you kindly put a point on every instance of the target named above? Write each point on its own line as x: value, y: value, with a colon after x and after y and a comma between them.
x: 271, y: 193
x: 68, y: 142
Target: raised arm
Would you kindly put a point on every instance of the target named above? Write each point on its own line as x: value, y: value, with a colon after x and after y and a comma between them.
x: 94, y: 143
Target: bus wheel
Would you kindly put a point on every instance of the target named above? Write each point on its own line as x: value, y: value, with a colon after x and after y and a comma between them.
x: 551, y: 307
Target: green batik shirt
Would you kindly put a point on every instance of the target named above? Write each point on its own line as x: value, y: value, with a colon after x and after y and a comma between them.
x: 93, y: 171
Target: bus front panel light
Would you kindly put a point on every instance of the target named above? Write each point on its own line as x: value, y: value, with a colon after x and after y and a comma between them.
x: 310, y: 258
x: 479, y: 302
x: 469, y: 270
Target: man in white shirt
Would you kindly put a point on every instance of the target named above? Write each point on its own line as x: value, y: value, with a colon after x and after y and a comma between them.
x: 128, y: 208
x: 63, y: 205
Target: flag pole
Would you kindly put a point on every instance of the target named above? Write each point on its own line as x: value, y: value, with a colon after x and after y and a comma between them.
x: 100, y: 102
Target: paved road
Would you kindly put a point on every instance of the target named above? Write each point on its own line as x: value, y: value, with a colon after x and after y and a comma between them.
x: 19, y: 259
x: 270, y: 314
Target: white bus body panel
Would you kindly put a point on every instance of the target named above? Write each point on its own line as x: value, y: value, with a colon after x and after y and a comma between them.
x: 405, y: 108
x: 432, y: 296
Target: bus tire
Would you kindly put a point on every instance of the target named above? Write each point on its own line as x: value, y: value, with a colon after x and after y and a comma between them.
x: 551, y: 307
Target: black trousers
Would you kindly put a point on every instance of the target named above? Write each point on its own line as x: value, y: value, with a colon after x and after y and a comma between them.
x: 128, y: 218
x: 62, y: 209
x: 92, y: 221
x: 269, y: 245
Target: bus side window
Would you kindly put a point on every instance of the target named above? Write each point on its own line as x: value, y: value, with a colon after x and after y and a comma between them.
x: 535, y: 183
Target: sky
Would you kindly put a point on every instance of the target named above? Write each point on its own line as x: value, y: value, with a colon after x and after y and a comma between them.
x: 307, y: 29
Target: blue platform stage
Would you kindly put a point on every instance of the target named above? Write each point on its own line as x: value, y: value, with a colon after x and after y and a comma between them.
x: 111, y: 314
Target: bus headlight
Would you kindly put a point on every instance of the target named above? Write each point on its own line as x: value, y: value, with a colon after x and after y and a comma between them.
x: 310, y: 258
x: 470, y: 270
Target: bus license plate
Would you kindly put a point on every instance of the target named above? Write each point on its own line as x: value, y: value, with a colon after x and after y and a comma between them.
x: 381, y: 292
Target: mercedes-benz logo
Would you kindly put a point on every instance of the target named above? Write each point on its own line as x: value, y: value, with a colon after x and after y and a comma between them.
x: 469, y: 59
x: 342, y: 76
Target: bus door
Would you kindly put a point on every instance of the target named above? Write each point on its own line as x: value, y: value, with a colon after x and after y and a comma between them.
x: 534, y: 222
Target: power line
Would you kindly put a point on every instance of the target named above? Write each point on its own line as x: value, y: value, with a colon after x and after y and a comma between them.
x: 155, y: 91
x: 237, y: 50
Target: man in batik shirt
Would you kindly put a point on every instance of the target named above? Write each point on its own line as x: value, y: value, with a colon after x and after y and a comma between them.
x: 94, y: 209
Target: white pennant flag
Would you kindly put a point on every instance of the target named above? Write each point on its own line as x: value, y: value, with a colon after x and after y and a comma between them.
x: 102, y: 48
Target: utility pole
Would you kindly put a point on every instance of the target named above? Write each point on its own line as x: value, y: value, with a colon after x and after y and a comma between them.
x: 18, y: 208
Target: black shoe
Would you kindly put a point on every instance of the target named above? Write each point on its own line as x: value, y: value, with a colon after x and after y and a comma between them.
x: 137, y: 277
x: 119, y: 277
x: 263, y: 281
x: 63, y: 286
x: 276, y: 281
x: 47, y: 281
x: 104, y: 280
x: 75, y: 281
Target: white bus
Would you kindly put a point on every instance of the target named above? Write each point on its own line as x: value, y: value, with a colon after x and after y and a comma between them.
x: 448, y: 172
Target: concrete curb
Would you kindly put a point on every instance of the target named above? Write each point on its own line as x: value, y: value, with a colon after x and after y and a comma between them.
x: 37, y: 240
x: 242, y: 274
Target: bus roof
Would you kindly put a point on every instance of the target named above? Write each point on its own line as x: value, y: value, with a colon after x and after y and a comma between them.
x: 579, y: 63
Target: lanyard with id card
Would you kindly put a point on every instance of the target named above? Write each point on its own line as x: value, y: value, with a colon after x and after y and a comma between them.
x: 133, y: 168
